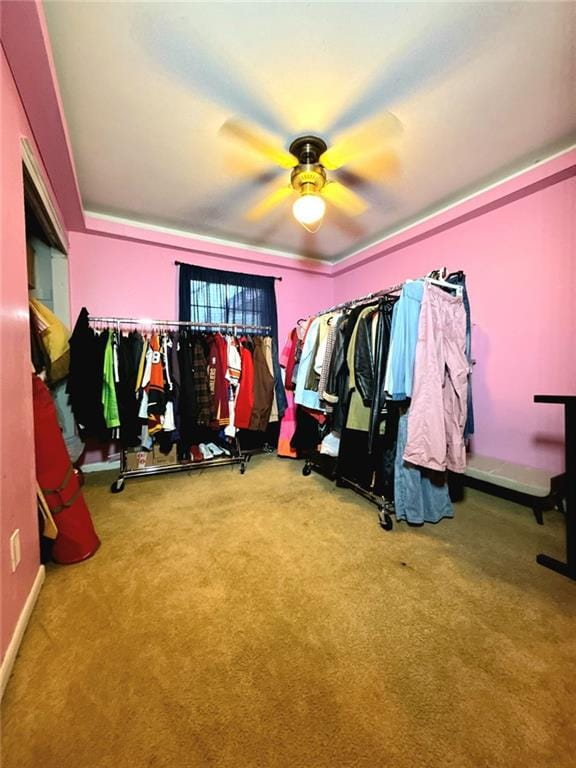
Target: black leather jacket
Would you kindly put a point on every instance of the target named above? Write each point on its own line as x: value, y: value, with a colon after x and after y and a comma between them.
x: 370, y: 358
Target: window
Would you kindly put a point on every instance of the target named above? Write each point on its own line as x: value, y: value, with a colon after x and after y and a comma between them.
x: 215, y: 296
x: 227, y: 303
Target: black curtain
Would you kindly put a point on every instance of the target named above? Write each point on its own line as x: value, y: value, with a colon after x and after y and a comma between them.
x: 217, y: 296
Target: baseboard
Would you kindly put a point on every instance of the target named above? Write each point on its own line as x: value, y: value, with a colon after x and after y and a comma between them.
x: 101, y: 466
x: 22, y: 623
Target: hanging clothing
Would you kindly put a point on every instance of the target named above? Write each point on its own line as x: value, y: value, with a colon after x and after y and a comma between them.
x: 327, y: 356
x: 109, y: 401
x: 308, y: 432
x: 420, y: 496
x: 287, y: 429
x: 202, y: 400
x: 85, y: 379
x: 274, y: 415
x: 405, y: 317
x: 54, y: 337
x: 459, y: 278
x: 217, y: 369
x: 371, y: 386
x: 303, y: 396
x: 245, y: 397
x: 439, y: 399
x: 361, y: 350
x: 288, y: 359
x: 155, y: 387
x: 233, y: 374
x: 129, y: 354
x: 263, y: 388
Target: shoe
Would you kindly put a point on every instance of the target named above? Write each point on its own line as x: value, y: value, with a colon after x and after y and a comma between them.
x: 205, y: 451
x: 215, y: 449
x: 195, y: 453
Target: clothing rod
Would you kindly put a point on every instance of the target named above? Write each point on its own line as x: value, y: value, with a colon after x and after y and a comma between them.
x: 379, y: 294
x: 362, y: 299
x: 149, y: 323
x: 186, y: 264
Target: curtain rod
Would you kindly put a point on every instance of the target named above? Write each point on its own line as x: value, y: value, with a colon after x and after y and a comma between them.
x: 186, y: 264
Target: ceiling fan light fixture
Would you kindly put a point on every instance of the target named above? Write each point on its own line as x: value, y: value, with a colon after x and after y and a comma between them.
x: 309, y: 210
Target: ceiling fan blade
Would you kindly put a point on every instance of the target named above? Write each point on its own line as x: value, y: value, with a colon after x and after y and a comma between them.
x: 268, y: 203
x: 360, y: 142
x: 380, y: 167
x: 252, y: 138
x: 446, y: 43
x: 177, y: 49
x: 344, y: 198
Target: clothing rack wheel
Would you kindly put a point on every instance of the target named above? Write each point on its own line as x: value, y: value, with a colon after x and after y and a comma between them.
x: 118, y: 485
x: 385, y: 520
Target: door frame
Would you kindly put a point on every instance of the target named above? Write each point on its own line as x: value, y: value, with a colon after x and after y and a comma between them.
x: 38, y: 195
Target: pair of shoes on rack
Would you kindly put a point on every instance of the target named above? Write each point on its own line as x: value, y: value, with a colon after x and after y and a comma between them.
x: 212, y: 451
x: 196, y: 453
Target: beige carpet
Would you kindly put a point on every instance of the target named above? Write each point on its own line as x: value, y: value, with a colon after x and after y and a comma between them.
x: 266, y: 621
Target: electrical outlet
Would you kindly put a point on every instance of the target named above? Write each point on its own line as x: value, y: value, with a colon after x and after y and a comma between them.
x: 15, y: 549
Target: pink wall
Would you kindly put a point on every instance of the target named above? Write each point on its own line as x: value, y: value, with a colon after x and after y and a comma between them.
x: 17, y: 490
x: 517, y: 247
x: 128, y: 271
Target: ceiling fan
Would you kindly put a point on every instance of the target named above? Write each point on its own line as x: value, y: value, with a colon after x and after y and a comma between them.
x: 309, y: 158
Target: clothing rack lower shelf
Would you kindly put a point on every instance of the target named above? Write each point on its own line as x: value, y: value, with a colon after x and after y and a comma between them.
x: 182, y: 466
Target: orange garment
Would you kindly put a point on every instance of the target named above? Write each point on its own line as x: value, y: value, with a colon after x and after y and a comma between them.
x: 155, y: 388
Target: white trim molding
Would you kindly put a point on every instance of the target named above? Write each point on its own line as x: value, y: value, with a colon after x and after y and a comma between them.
x: 19, y: 630
x: 412, y: 223
x: 34, y: 168
x: 189, y: 235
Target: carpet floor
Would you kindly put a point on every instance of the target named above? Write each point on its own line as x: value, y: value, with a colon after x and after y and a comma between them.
x: 267, y: 621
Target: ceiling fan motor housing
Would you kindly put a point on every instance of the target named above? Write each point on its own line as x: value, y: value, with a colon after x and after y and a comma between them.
x: 309, y: 176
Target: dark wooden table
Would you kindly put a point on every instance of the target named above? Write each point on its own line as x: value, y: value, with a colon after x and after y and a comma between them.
x: 569, y: 567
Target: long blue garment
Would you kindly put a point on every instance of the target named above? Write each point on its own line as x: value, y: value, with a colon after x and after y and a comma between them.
x: 404, y: 334
x: 416, y: 498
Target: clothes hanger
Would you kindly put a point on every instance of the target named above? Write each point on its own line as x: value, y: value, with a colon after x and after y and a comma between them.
x: 444, y: 284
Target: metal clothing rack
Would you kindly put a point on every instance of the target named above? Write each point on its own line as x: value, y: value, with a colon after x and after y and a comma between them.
x: 150, y: 324
x: 242, y: 457
x: 430, y: 277
x: 361, y: 300
x: 435, y: 278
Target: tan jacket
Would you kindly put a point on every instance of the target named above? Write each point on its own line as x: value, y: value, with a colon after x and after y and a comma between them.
x: 54, y: 337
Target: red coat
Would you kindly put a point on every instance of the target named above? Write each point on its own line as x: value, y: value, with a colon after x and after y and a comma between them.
x: 245, y: 397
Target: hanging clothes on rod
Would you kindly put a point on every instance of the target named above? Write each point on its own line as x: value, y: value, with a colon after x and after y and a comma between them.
x: 168, y: 390
x: 394, y: 393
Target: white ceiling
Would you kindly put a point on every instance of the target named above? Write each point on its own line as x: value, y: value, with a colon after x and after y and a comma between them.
x: 482, y: 90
